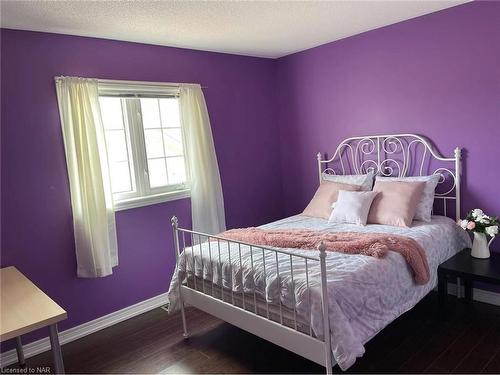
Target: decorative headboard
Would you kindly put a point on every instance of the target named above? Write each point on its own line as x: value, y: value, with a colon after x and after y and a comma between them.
x: 399, y: 155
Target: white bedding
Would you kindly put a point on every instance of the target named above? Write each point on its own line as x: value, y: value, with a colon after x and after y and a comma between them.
x: 365, y: 294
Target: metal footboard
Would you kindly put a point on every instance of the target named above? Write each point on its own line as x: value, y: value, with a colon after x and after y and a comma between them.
x: 270, y: 322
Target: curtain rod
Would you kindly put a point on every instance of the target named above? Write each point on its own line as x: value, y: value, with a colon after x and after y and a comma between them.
x: 111, y: 81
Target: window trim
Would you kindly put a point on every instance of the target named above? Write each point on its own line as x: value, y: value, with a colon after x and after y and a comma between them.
x: 143, y: 195
x: 148, y: 200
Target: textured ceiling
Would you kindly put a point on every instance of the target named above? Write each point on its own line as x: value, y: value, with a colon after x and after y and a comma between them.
x: 256, y: 28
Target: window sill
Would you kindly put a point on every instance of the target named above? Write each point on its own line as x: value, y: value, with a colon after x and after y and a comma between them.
x: 151, y: 199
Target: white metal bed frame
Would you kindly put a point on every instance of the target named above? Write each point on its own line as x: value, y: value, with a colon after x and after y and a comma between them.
x: 387, y: 155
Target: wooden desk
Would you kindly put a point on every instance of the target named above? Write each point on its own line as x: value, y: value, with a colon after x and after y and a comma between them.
x: 24, y: 308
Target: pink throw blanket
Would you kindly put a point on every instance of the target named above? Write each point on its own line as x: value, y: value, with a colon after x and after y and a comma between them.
x: 371, y: 244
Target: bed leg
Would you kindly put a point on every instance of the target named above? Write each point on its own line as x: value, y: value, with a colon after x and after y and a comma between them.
x: 175, y: 225
x: 185, y: 332
x: 324, y: 302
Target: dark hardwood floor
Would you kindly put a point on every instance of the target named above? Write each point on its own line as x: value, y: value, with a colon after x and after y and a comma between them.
x: 466, y: 341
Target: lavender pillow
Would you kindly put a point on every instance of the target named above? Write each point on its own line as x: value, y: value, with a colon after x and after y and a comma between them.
x: 396, y: 202
x: 327, y: 193
x: 365, y: 181
x: 352, y: 207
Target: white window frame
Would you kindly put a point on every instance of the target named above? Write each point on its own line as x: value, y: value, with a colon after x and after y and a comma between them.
x: 142, y: 194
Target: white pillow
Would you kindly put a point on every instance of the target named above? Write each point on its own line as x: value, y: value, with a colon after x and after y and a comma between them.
x: 363, y: 180
x: 352, y: 207
x: 424, y: 206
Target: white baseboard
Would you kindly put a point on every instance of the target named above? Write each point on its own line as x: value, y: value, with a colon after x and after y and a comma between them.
x: 36, y: 347
x: 479, y: 295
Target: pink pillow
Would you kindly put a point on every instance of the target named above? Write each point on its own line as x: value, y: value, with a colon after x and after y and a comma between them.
x: 395, y: 203
x: 327, y: 193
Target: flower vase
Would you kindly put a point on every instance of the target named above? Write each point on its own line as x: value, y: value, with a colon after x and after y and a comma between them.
x: 480, y: 246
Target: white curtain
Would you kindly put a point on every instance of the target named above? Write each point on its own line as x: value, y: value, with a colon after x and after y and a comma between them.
x: 86, y: 158
x: 207, y: 203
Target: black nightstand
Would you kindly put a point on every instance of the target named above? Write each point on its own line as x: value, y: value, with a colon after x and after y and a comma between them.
x: 469, y: 269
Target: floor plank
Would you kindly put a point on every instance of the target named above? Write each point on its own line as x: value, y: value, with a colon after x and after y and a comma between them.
x: 461, y: 347
x: 493, y: 365
x: 484, y: 351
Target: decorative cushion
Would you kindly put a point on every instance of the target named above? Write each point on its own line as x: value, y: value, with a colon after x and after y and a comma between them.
x: 352, y: 207
x: 424, y: 206
x: 327, y: 193
x: 396, y: 202
x: 363, y: 180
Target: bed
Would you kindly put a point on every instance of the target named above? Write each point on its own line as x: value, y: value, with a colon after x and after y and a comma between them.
x: 323, y: 305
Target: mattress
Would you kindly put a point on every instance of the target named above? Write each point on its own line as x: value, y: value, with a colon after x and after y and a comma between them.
x: 365, y: 294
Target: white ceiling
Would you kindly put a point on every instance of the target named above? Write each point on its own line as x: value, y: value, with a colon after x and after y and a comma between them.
x: 256, y: 28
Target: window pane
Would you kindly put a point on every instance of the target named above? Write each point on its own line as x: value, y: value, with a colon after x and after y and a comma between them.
x: 170, y: 112
x: 173, y: 142
x: 150, y: 113
x: 111, y: 111
x: 176, y: 170
x: 120, y: 177
x: 154, y: 143
x: 117, y: 145
x: 160, y: 145
x: 157, y: 172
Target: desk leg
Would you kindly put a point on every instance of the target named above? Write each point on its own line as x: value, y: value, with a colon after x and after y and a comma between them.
x: 20, y: 353
x: 56, y: 349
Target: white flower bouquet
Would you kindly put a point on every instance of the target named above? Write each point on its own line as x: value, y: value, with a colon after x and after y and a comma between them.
x: 481, y: 225
x: 478, y: 221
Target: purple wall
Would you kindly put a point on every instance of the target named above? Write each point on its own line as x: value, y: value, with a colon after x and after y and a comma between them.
x: 436, y: 75
x: 37, y: 233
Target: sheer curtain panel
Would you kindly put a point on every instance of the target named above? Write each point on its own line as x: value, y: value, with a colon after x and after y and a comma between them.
x: 89, y: 182
x: 207, y: 203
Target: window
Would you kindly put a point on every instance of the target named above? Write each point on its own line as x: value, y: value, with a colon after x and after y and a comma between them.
x: 144, y: 140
